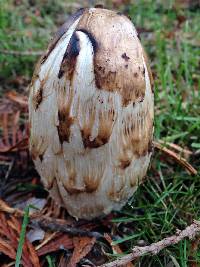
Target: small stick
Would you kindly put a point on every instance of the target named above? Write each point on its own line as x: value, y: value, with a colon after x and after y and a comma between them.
x: 190, y: 232
x: 59, y: 225
x: 176, y: 147
x: 182, y: 161
x: 21, y: 53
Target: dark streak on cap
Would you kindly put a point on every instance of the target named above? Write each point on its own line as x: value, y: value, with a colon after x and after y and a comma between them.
x: 91, y: 38
x: 125, y: 163
x: 68, y: 64
x: 97, y: 142
x: 41, y: 156
x: 65, y: 122
x: 61, y: 31
x: 37, y: 97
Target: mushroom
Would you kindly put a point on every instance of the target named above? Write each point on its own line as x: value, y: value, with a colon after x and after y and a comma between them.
x: 91, y: 113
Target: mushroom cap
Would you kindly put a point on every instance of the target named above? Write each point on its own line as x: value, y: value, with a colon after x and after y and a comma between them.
x: 91, y: 113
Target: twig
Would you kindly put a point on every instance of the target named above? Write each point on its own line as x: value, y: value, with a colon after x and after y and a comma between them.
x: 46, y: 240
x: 176, y: 147
x: 190, y: 232
x: 49, y: 223
x: 5, y: 208
x: 21, y: 53
x: 182, y: 161
x: 61, y: 226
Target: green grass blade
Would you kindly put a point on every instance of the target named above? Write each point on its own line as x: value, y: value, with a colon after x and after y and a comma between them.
x: 121, y: 240
x: 22, y: 237
x: 50, y: 262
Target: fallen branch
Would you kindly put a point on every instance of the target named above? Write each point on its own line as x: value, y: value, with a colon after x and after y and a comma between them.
x: 190, y: 232
x: 49, y: 223
x: 182, y: 161
x: 60, y: 225
x: 21, y: 53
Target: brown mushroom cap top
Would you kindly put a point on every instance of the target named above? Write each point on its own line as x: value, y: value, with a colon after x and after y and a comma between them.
x: 118, y: 65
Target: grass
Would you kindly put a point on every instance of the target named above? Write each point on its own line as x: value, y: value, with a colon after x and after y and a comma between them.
x: 50, y: 261
x: 170, y: 197
x: 22, y: 237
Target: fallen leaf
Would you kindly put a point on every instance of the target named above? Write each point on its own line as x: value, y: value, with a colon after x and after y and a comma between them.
x: 10, y: 228
x: 82, y: 246
x: 19, y: 99
x: 61, y: 241
x: 13, y: 121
